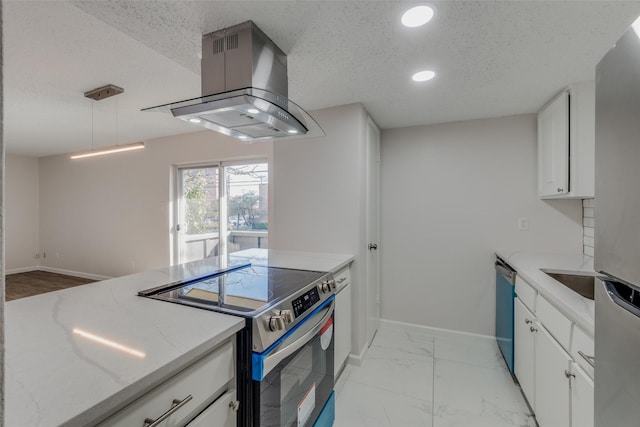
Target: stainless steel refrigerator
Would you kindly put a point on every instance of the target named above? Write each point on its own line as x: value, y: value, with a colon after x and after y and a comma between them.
x: 617, y: 243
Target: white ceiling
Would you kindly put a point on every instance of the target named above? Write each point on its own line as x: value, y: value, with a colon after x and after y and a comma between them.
x: 493, y: 58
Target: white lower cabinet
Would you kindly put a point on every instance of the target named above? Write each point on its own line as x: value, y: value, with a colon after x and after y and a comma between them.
x: 553, y: 368
x: 524, y: 336
x: 207, y: 385
x: 581, y: 398
x: 343, y: 328
x: 342, y: 346
x: 551, y: 381
x: 219, y: 413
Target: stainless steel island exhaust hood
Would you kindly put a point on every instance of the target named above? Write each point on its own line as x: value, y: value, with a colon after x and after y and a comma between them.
x: 244, y: 89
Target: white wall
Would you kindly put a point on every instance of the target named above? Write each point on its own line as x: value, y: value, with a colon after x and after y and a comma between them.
x: 110, y: 215
x: 451, y: 194
x: 319, y: 193
x: 22, y: 213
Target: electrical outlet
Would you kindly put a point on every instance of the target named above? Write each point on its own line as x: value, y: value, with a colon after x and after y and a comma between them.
x: 523, y: 223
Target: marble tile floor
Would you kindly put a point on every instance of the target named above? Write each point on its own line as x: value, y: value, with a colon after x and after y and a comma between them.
x: 416, y: 377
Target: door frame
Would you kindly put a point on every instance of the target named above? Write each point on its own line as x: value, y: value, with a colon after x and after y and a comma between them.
x: 176, y: 189
x: 372, y: 283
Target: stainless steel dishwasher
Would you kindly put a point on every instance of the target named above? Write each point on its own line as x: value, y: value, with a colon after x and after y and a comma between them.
x: 505, y: 294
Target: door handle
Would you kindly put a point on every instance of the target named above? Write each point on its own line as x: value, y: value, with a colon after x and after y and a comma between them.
x: 175, y: 405
x: 286, y: 349
x: 373, y: 247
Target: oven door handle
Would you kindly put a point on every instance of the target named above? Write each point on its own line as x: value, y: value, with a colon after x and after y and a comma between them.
x: 294, y: 343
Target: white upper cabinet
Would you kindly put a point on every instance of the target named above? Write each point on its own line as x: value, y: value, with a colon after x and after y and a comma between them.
x: 566, y: 135
x: 553, y: 147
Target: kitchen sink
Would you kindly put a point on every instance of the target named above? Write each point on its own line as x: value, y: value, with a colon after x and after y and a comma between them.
x: 581, y: 284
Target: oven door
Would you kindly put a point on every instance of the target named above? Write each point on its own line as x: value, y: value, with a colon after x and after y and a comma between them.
x: 293, y: 379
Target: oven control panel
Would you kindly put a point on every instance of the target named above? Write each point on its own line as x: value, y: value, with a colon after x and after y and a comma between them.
x: 305, y: 302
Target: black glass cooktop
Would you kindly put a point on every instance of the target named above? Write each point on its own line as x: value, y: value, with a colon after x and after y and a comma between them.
x: 245, y: 290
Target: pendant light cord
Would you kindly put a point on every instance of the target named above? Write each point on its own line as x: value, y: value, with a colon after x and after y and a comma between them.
x: 92, y: 126
x: 116, y: 122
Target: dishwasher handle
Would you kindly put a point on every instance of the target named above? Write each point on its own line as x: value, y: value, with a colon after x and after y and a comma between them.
x: 506, y: 271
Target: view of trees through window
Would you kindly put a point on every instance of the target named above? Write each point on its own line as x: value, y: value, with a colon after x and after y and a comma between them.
x: 201, y: 213
x: 201, y: 207
x: 247, y: 196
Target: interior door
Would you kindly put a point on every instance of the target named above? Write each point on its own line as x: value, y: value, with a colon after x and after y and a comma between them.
x: 373, y: 229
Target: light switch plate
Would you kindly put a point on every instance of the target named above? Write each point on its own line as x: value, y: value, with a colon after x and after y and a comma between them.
x: 523, y: 223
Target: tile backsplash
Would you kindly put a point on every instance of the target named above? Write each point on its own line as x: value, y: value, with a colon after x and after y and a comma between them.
x: 588, y: 226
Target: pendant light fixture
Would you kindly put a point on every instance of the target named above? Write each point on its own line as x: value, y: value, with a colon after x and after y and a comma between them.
x: 97, y: 95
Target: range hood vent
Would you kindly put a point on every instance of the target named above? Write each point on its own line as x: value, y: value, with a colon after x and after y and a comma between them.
x: 244, y: 89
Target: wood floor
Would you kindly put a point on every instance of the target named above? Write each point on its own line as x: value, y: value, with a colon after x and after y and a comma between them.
x: 23, y: 285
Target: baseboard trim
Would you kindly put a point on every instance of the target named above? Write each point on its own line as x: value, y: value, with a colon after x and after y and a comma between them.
x: 72, y: 273
x: 357, y: 359
x: 434, y: 329
x: 22, y: 270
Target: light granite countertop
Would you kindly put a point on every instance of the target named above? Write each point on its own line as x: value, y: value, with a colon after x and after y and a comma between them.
x: 294, y: 259
x: 58, y: 374
x: 576, y: 307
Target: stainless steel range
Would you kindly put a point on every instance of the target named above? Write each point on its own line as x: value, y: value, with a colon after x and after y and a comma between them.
x: 285, y: 352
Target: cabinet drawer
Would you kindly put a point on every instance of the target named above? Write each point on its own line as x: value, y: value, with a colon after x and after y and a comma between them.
x: 555, y: 322
x: 204, y: 381
x: 582, y: 342
x: 343, y: 278
x: 526, y: 294
x: 219, y: 413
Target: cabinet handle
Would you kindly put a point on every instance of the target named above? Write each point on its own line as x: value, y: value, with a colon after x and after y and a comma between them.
x: 234, y: 405
x: 532, y: 329
x: 590, y: 359
x: 176, y: 404
x: 569, y: 374
x: 527, y: 321
x: 560, y: 190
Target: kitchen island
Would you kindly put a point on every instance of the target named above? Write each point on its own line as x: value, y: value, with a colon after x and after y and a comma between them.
x: 77, y: 356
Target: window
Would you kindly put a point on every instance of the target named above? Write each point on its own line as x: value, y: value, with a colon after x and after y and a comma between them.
x: 222, y: 208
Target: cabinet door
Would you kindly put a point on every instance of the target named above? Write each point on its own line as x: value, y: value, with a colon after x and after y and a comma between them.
x: 221, y: 413
x: 524, y: 350
x: 581, y: 398
x: 553, y: 147
x: 343, y: 328
x: 552, y: 392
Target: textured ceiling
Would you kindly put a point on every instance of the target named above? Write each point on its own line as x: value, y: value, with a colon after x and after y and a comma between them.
x: 493, y: 58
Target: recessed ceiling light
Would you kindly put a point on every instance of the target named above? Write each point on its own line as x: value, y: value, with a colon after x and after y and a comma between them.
x: 243, y: 137
x: 194, y: 120
x: 292, y: 131
x: 253, y: 111
x: 417, y: 16
x: 423, y: 76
